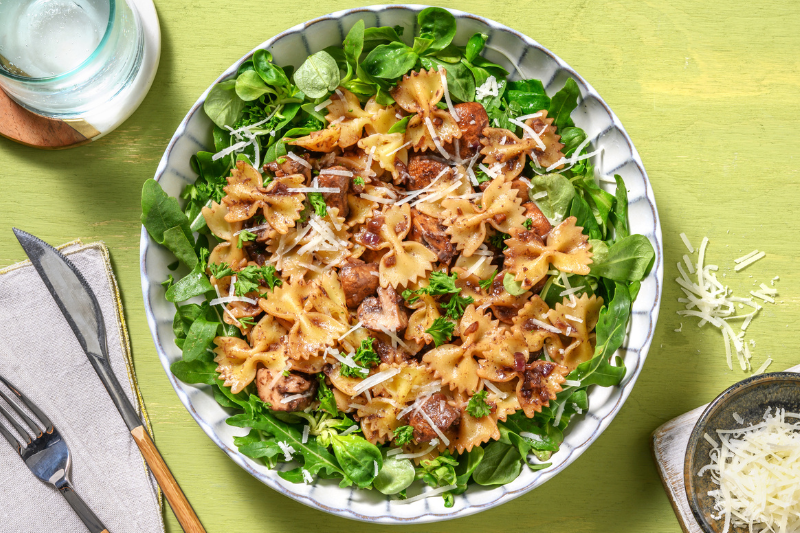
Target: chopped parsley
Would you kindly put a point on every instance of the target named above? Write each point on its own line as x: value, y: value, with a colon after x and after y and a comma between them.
x: 365, y: 357
x: 249, y: 278
x: 317, y: 202
x: 528, y: 224
x: 498, y: 240
x: 244, y: 237
x: 485, y: 284
x: 441, y: 330
x: 327, y: 401
x: 482, y: 176
x: 455, y: 307
x: 403, y: 435
x: 353, y: 371
x: 478, y: 407
x: 358, y: 181
x: 281, y: 160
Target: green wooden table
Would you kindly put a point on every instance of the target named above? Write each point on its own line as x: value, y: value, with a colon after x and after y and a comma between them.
x: 709, y: 94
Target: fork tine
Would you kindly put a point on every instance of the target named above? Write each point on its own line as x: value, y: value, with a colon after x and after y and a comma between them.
x: 30, y: 405
x: 8, y: 435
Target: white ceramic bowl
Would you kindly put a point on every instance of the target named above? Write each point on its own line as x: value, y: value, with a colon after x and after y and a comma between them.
x: 522, y: 56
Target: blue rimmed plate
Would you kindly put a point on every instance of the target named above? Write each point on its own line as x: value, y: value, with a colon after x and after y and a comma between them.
x: 524, y: 58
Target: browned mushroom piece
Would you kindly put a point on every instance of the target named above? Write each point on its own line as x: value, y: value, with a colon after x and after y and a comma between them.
x: 422, y: 170
x: 284, y: 387
x: 359, y: 280
x: 540, y: 224
x: 383, y: 312
x: 430, y: 231
x: 287, y: 167
x: 403, y: 177
x: 443, y: 415
x: 388, y: 354
x: 336, y: 199
x: 472, y: 119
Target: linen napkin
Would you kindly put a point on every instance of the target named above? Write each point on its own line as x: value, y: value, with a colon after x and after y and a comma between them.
x: 40, y: 355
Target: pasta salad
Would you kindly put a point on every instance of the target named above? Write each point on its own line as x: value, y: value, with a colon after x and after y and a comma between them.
x: 398, y: 264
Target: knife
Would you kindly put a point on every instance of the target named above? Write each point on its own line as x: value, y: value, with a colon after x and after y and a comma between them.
x: 82, y: 311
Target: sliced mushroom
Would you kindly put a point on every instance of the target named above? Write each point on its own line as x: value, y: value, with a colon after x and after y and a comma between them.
x: 441, y: 413
x: 383, y: 312
x: 359, y: 281
x: 286, y: 386
x: 431, y: 232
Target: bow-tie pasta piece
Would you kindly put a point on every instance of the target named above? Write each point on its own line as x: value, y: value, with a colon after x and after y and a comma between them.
x: 567, y: 249
x: 577, y: 320
x: 499, y: 207
x: 539, y: 383
x: 430, y: 127
x: 238, y: 361
x: 406, y: 261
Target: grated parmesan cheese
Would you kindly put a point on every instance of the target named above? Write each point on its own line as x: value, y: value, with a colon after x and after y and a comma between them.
x: 757, y: 469
x: 487, y: 88
x: 375, y: 379
x: 287, y: 450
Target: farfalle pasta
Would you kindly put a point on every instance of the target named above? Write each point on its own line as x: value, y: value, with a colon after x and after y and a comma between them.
x: 387, y: 268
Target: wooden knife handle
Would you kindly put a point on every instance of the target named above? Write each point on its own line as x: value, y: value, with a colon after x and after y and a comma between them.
x: 180, y: 505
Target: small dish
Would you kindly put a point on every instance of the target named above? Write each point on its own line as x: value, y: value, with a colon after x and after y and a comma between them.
x: 749, y: 399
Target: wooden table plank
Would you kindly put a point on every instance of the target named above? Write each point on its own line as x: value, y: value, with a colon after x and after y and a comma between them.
x: 708, y: 92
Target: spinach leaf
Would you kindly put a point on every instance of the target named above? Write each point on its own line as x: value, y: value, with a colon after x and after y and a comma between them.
x: 199, y: 338
x: 563, y: 103
x: 269, y: 72
x: 585, y: 218
x: 389, y: 61
x: 185, y: 315
x: 529, y: 95
x: 166, y: 222
x: 395, y: 475
x: 560, y: 193
x: 501, y: 464
x: 600, y: 199
x: 572, y: 137
x: 253, y: 445
x: 628, y: 259
x: 175, y: 239
x: 401, y: 125
x: 606, y: 375
x: 513, y: 287
x: 421, y: 45
x: 353, y: 45
x: 460, y: 82
x: 250, y: 86
x: 599, y: 250
x: 193, y: 284
x: 196, y: 371
x: 619, y: 215
x: 317, y: 459
x: 357, y: 457
x: 223, y: 106
x: 381, y: 35
x: 475, y: 46
x: 437, y: 24
x: 318, y: 75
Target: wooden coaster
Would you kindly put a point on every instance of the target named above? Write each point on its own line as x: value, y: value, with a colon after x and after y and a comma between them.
x: 30, y: 129
x: 669, y: 450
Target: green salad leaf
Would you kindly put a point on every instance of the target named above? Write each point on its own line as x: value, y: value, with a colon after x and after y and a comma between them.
x: 318, y: 75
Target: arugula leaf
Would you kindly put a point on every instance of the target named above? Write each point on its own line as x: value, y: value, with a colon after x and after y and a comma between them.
x: 245, y: 236
x: 389, y: 61
x: 563, y: 103
x: 619, y: 214
x: 560, y: 193
x: 254, y: 445
x: 196, y: 371
x: 193, y: 284
x: 585, y: 218
x: 223, y: 106
x: 399, y: 127
x: 628, y: 259
x: 199, y: 337
x: 606, y: 374
x: 501, y: 464
x: 441, y: 330
x: 357, y: 457
x: 318, y: 75
x: 437, y: 24
x: 403, y: 435
x: 477, y: 406
x: 315, y: 457
x: 317, y: 202
x: 485, y: 284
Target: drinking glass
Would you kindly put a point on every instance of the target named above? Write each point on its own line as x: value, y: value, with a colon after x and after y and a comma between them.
x: 64, y: 58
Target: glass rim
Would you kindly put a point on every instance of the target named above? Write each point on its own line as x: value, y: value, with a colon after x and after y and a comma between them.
x: 112, y: 9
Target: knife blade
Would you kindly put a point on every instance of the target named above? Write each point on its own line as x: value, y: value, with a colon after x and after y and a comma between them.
x: 80, y: 308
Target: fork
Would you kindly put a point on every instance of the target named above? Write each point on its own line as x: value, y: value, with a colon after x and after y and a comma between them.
x: 46, y: 454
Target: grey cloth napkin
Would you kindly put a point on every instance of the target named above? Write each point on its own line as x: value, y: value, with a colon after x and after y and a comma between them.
x: 40, y: 355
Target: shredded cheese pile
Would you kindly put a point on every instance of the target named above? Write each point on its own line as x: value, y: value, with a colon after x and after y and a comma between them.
x: 757, y: 469
x: 713, y: 303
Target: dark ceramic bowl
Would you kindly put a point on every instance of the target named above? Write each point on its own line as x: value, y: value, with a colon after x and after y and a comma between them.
x: 749, y: 399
